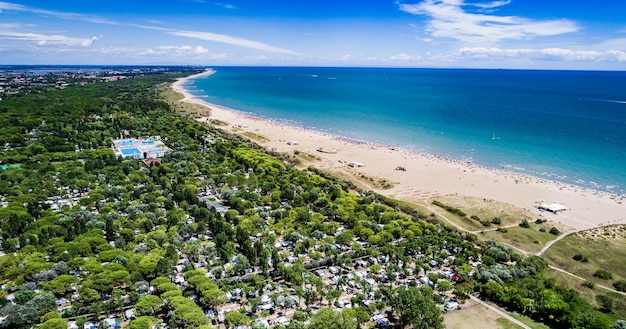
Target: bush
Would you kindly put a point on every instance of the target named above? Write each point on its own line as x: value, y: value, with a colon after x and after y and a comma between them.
x: 620, y: 285
x: 588, y: 284
x: 524, y: 224
x: 555, y: 231
x: 450, y: 209
x: 474, y: 217
x: 540, y: 221
x: 486, y: 223
x: 542, y: 229
x: 578, y: 257
x: 496, y: 220
x: 604, y: 275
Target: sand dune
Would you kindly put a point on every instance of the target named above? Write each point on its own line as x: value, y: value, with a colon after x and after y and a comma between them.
x: 426, y: 175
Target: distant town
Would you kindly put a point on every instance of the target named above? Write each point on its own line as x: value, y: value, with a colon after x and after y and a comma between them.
x: 23, y: 80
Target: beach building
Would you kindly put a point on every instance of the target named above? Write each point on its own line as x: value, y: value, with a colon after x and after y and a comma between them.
x: 553, y: 207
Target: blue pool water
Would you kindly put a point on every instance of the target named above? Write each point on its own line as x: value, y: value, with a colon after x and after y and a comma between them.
x: 130, y: 151
x: 126, y: 142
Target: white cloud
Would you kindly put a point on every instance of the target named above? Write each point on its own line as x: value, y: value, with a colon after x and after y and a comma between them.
x: 561, y: 54
x: 225, y: 5
x: 490, y: 5
x: 63, y: 15
x: 401, y: 57
x: 618, y: 43
x: 48, y: 39
x: 467, y: 22
x: 201, y: 35
x: 231, y: 40
x: 179, y: 51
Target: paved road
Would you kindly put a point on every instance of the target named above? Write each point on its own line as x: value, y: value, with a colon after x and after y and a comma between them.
x: 503, y: 314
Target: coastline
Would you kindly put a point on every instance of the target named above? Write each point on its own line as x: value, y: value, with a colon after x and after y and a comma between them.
x: 425, y: 175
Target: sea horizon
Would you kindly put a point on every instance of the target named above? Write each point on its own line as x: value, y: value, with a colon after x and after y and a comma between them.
x: 559, y: 125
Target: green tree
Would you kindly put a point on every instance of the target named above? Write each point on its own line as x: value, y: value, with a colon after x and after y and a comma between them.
x: 327, y: 318
x: 148, y: 305
x: 88, y: 296
x: 61, y: 284
x: 56, y: 323
x: 415, y: 307
x: 234, y: 319
x: 142, y: 322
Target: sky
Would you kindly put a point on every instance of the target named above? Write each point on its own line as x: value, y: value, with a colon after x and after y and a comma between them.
x: 509, y: 34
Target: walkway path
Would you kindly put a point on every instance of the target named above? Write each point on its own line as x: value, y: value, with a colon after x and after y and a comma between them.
x: 562, y: 236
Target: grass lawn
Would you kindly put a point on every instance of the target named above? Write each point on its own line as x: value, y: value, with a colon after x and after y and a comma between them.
x: 527, y: 321
x: 529, y: 239
x: 603, y: 248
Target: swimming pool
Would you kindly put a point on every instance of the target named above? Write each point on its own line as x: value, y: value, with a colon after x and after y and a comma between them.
x: 125, y: 142
x: 147, y: 143
x: 131, y: 151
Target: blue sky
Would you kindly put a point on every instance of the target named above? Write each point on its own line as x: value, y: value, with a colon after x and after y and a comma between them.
x: 535, y: 34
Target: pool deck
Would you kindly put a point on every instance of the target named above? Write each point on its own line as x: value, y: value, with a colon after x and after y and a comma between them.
x: 153, y: 147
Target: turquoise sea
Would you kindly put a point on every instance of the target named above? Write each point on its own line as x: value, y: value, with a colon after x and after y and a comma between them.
x: 568, y: 126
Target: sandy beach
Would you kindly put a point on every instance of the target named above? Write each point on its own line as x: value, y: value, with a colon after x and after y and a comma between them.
x: 425, y: 175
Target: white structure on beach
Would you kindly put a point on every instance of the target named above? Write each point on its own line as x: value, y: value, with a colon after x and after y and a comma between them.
x: 553, y: 207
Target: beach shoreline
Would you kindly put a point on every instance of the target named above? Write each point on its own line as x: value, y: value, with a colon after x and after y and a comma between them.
x: 425, y: 175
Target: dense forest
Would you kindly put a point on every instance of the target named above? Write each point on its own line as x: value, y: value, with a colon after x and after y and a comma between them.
x: 221, y: 233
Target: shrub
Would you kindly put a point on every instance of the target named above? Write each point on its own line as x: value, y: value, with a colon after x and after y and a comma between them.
x: 502, y: 229
x: 524, y: 224
x: 588, y: 284
x: 578, y: 257
x: 486, y: 223
x: 555, y: 231
x: 542, y: 229
x: 450, y: 209
x: 540, y: 221
x: 496, y: 220
x: 474, y: 217
x: 620, y: 285
x: 604, y: 275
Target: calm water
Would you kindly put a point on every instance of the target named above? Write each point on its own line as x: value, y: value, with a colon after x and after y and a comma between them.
x: 563, y: 125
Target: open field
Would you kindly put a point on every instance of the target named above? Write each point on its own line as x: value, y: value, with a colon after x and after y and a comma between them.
x: 487, y: 209
x: 603, y: 248
x: 473, y: 316
x: 528, y: 239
